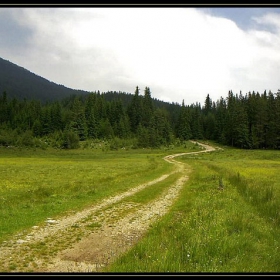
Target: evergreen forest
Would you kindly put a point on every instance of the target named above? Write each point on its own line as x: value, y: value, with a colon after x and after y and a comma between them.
x: 250, y: 121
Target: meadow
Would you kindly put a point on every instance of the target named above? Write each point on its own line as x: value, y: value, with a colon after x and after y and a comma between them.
x: 225, y: 220
x: 37, y: 184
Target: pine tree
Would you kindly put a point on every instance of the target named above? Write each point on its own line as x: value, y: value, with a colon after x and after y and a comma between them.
x: 207, y: 105
x: 56, y: 117
x: 160, y: 129
x: 92, y: 126
x: 196, y: 122
x: 208, y: 119
x: 78, y: 121
x: 240, y: 127
x: 183, y: 128
x: 148, y: 108
x: 134, y: 111
x: 122, y: 128
x: 105, y: 129
x: 220, y: 121
x: 37, y: 128
x: 143, y: 136
x: 272, y: 121
x: 46, y: 121
x: 259, y: 120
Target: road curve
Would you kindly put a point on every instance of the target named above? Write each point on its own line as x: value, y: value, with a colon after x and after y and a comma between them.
x: 84, y: 249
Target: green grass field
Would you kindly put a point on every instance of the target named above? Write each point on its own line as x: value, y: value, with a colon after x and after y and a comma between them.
x: 37, y: 184
x: 225, y: 220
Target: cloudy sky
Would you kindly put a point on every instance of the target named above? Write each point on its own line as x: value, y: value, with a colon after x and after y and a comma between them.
x: 180, y: 53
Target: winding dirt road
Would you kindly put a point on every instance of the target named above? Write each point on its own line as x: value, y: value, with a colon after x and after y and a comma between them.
x: 88, y: 240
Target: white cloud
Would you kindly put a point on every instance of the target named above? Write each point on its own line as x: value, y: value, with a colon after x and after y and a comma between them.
x: 180, y: 53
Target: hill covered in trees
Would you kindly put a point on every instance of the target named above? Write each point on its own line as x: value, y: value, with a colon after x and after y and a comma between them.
x: 250, y: 121
x: 20, y: 83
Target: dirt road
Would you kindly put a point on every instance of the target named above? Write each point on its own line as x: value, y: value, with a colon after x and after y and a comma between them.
x: 88, y: 240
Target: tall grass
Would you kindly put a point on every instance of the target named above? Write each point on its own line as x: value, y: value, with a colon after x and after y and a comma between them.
x: 225, y: 221
x: 255, y: 174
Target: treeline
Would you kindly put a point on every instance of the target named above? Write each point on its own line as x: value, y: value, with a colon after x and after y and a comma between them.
x: 250, y: 121
x: 63, y: 124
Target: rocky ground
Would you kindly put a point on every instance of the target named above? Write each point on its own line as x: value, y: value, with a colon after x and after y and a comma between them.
x: 89, y: 240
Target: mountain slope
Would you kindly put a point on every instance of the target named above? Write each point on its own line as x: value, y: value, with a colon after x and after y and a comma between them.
x: 20, y: 83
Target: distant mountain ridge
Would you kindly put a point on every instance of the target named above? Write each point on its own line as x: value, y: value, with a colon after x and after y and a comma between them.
x: 20, y: 83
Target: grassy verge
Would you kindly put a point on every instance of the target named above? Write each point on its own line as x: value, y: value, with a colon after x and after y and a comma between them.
x: 226, y: 219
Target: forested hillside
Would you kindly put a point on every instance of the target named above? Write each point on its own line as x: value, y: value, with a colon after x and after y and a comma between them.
x: 20, y: 83
x: 37, y: 112
x: 245, y: 121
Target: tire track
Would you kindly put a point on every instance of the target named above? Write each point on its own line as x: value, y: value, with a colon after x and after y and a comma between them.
x: 101, y: 246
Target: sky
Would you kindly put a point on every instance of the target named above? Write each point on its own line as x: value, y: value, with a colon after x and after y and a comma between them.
x: 182, y: 53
